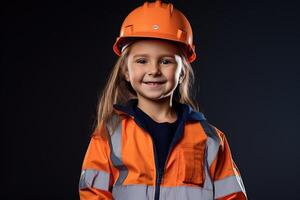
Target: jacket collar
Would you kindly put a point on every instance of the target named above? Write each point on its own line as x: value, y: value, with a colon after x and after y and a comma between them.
x: 188, y: 114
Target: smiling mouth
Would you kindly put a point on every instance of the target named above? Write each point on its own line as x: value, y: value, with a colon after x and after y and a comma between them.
x: 153, y: 83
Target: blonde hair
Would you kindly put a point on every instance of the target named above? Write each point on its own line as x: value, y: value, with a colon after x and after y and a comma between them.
x: 119, y: 91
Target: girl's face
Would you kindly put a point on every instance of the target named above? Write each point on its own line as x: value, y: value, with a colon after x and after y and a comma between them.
x: 153, y: 68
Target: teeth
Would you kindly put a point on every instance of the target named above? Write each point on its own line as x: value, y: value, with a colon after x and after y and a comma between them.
x: 153, y: 83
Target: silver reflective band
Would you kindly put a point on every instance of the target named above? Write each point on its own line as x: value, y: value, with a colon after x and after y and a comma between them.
x: 213, y: 142
x: 115, y: 143
x: 145, y: 192
x: 212, y: 148
x: 91, y: 178
x: 229, y: 185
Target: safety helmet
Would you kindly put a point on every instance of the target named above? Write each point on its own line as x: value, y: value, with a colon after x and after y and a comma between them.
x: 156, y: 20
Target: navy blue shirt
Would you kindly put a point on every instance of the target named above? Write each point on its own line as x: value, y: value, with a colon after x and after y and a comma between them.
x: 162, y: 133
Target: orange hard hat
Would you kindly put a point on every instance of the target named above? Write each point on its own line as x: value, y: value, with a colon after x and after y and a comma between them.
x: 157, y: 20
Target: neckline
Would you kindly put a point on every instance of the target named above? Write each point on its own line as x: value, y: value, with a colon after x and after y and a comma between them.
x: 160, y: 123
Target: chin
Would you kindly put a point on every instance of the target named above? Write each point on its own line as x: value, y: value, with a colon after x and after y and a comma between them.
x: 155, y: 98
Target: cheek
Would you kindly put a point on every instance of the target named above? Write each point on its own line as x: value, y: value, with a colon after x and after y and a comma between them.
x: 173, y: 75
x: 135, y: 74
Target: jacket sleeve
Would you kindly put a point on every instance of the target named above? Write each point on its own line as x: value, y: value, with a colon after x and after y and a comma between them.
x: 96, y: 176
x: 228, y: 183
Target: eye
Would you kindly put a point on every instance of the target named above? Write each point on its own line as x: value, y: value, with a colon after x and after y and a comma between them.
x: 141, y: 61
x: 166, y: 61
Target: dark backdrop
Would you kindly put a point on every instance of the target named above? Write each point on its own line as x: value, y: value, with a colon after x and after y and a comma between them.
x: 56, y: 57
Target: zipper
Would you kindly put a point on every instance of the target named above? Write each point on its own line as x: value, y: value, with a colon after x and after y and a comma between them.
x: 172, y: 145
x: 157, y: 185
x: 160, y: 172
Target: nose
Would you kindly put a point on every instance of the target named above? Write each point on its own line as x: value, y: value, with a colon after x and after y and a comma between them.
x: 154, y: 69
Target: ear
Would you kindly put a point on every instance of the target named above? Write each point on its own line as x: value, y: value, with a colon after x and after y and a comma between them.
x: 181, y: 76
x: 180, y: 79
x: 126, y: 74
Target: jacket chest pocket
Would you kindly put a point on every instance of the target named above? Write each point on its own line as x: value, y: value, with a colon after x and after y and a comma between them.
x: 191, y: 164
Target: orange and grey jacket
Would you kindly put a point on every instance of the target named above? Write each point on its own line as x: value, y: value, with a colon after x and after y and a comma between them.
x: 123, y: 166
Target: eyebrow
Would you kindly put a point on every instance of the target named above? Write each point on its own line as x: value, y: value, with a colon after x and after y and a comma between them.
x: 146, y: 55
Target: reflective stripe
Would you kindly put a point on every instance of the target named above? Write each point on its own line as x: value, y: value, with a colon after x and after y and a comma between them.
x: 144, y: 192
x: 115, y: 143
x: 208, y: 183
x: 91, y: 178
x: 212, y: 148
x: 213, y: 142
x: 133, y: 192
x: 229, y: 185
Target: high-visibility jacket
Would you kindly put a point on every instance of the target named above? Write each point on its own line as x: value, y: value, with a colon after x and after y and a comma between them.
x: 123, y: 166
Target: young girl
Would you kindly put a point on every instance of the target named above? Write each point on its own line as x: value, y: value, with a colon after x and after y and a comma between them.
x: 151, y: 142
